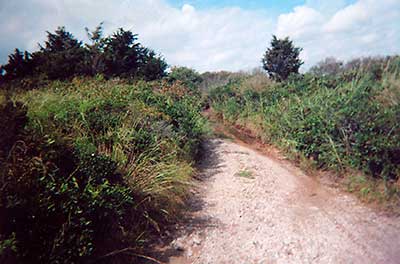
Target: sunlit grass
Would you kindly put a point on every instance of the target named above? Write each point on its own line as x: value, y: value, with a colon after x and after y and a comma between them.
x: 330, y: 123
x: 150, y: 131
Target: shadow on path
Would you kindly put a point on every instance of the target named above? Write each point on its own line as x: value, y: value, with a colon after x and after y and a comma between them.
x: 193, y: 222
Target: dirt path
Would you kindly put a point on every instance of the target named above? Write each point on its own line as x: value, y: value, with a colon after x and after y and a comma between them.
x: 257, y: 209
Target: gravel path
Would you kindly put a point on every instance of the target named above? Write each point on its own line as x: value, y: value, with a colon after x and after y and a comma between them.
x: 257, y: 209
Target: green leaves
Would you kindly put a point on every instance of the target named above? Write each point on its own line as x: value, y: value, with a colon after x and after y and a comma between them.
x: 335, y: 122
x: 63, y: 57
x: 282, y: 59
x: 96, y: 166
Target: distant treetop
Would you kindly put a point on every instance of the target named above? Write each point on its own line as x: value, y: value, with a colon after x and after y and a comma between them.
x: 62, y: 56
x: 281, y: 59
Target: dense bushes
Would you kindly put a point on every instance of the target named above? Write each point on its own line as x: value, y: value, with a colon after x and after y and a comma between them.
x: 186, y: 76
x: 338, y: 122
x: 62, y: 57
x: 92, y: 166
x: 57, y: 203
x: 370, y: 65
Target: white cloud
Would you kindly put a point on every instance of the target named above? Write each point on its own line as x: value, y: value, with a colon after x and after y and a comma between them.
x: 326, y: 7
x: 365, y: 28
x: 303, y: 21
x: 216, y: 39
x: 228, y: 38
x: 348, y: 18
x: 188, y: 10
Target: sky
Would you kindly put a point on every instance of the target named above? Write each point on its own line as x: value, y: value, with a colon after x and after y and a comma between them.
x: 210, y: 35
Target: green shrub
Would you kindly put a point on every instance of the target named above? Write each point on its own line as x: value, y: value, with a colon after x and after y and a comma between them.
x: 335, y: 121
x: 54, y: 201
x: 93, y: 166
x: 63, y: 57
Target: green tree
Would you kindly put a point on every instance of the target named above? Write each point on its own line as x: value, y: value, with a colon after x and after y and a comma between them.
x: 121, y: 54
x: 125, y: 57
x: 96, y: 58
x: 19, y: 65
x: 152, y: 66
x: 189, y: 77
x: 328, y: 67
x: 62, y: 56
x: 281, y: 59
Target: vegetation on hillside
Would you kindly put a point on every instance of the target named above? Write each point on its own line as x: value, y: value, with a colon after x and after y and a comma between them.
x: 343, y: 119
x: 94, y: 156
x: 91, y: 166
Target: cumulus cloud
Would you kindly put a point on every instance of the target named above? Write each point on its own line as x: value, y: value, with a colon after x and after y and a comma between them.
x: 216, y: 39
x: 229, y: 38
x: 364, y: 28
x: 348, y: 18
x: 302, y: 22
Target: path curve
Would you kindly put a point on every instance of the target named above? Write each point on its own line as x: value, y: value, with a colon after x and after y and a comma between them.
x: 258, y: 209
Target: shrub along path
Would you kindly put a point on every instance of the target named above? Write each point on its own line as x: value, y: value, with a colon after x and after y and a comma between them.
x: 259, y: 208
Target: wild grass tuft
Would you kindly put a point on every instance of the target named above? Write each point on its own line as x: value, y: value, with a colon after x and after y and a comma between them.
x: 245, y: 174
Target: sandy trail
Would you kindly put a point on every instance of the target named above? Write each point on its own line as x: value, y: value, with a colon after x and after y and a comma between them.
x: 258, y: 209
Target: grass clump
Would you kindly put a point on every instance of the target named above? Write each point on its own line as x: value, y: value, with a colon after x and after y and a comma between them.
x: 245, y: 174
x: 92, y: 166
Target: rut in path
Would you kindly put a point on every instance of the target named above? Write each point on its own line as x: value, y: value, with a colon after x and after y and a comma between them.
x: 257, y: 209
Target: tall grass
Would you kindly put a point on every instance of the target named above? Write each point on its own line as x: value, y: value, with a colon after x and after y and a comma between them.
x: 100, y: 165
x: 345, y: 122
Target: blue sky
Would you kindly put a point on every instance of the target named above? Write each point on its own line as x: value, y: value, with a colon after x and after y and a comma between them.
x: 210, y: 35
x: 274, y: 5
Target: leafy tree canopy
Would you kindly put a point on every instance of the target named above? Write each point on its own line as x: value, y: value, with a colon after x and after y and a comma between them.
x: 19, y: 65
x: 62, y: 56
x: 189, y: 77
x: 281, y: 59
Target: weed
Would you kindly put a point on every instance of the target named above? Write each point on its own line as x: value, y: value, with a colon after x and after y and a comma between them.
x: 245, y: 174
